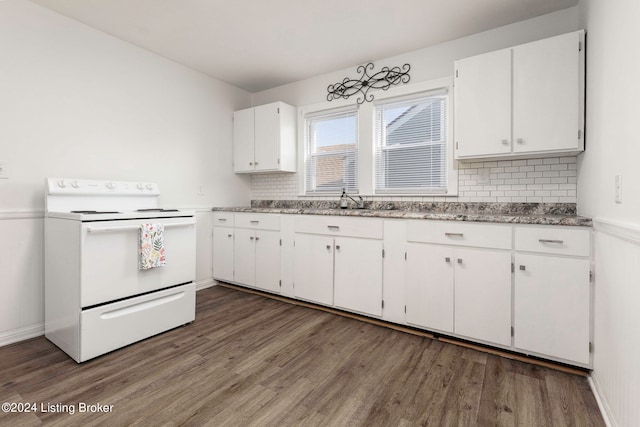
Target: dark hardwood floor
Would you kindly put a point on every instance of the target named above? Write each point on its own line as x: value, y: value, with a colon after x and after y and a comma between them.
x: 253, y: 361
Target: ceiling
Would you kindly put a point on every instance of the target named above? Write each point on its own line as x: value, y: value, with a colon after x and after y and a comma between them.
x: 261, y: 44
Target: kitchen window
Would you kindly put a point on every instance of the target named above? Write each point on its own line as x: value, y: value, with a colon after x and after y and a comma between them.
x: 411, y: 144
x: 331, y: 161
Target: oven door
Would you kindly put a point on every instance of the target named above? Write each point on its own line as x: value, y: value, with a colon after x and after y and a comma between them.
x: 109, y: 259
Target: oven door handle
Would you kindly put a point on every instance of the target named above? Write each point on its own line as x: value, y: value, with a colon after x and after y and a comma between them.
x: 133, y: 227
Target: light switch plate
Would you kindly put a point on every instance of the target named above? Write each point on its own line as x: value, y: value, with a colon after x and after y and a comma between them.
x: 4, y: 169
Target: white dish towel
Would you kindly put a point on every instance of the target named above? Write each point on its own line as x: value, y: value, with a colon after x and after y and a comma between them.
x: 151, y: 253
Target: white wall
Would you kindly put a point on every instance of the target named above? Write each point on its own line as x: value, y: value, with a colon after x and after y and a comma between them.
x: 527, y: 185
x: 613, y: 146
x: 78, y: 103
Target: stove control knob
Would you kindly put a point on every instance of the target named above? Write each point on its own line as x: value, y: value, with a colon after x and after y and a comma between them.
x: 111, y: 185
x: 149, y: 186
x: 75, y: 184
x: 140, y: 186
x: 62, y: 183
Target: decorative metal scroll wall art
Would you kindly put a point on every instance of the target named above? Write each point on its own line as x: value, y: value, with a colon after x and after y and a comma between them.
x: 382, y: 79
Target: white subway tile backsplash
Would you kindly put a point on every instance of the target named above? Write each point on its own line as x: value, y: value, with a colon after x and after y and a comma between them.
x: 548, y: 180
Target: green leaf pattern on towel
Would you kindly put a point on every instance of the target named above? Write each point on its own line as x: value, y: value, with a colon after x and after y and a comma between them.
x: 151, y: 246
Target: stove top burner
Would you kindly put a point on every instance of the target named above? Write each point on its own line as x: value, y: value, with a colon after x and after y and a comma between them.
x: 96, y: 212
x: 157, y: 210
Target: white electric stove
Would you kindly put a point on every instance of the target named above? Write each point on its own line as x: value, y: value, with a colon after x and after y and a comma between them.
x: 96, y: 297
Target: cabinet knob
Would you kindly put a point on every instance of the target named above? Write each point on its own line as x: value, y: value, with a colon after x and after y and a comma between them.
x: 255, y: 163
x: 250, y: 163
x: 328, y: 247
x: 257, y: 238
x: 520, y: 141
x: 523, y: 268
x: 229, y: 235
x: 251, y: 238
x: 337, y: 247
x: 459, y: 260
x: 505, y: 141
x: 447, y: 259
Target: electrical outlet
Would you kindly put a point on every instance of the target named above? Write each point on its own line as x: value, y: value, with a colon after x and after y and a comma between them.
x: 4, y: 170
x: 618, y: 188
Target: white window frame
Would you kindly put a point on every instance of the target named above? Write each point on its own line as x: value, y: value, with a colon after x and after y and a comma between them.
x: 318, y: 110
x: 366, y: 138
x: 447, y: 141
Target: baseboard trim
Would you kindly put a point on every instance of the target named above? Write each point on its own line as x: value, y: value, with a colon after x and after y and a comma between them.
x: 204, y: 284
x: 602, y: 403
x: 21, y: 334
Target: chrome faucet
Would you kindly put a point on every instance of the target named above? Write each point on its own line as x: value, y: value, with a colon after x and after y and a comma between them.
x: 344, y: 203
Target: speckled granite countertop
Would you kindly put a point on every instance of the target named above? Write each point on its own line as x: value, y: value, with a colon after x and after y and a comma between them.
x: 506, y: 213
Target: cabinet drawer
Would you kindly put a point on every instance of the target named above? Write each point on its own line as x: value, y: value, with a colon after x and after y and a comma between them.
x: 223, y: 219
x: 339, y: 226
x: 460, y: 234
x: 258, y: 221
x: 554, y: 240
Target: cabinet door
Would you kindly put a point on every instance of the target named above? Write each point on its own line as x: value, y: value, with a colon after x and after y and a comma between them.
x: 358, y: 275
x: 552, y: 306
x: 244, y: 257
x: 243, y: 140
x: 223, y: 253
x: 313, y: 268
x: 546, y: 94
x: 267, y: 137
x: 483, y: 105
x: 483, y: 295
x: 429, y: 288
x: 268, y: 260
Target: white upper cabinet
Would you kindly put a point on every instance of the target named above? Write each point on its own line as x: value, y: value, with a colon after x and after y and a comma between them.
x: 525, y: 101
x: 265, y: 139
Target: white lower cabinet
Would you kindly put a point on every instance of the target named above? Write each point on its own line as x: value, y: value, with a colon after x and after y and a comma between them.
x: 552, y: 300
x: 459, y: 279
x: 429, y: 288
x: 223, y: 253
x: 552, y: 292
x: 358, y: 275
x: 483, y: 295
x: 257, y: 258
x: 313, y: 268
x: 459, y: 290
x: 338, y: 262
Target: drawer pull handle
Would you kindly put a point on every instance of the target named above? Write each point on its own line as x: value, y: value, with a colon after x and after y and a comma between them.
x: 333, y: 227
x: 255, y: 221
x: 523, y: 268
x: 222, y: 219
x: 447, y: 259
x: 459, y: 260
x: 454, y: 234
x: 551, y: 241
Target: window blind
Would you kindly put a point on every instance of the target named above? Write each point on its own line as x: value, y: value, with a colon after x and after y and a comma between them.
x: 332, y: 152
x: 411, y: 145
